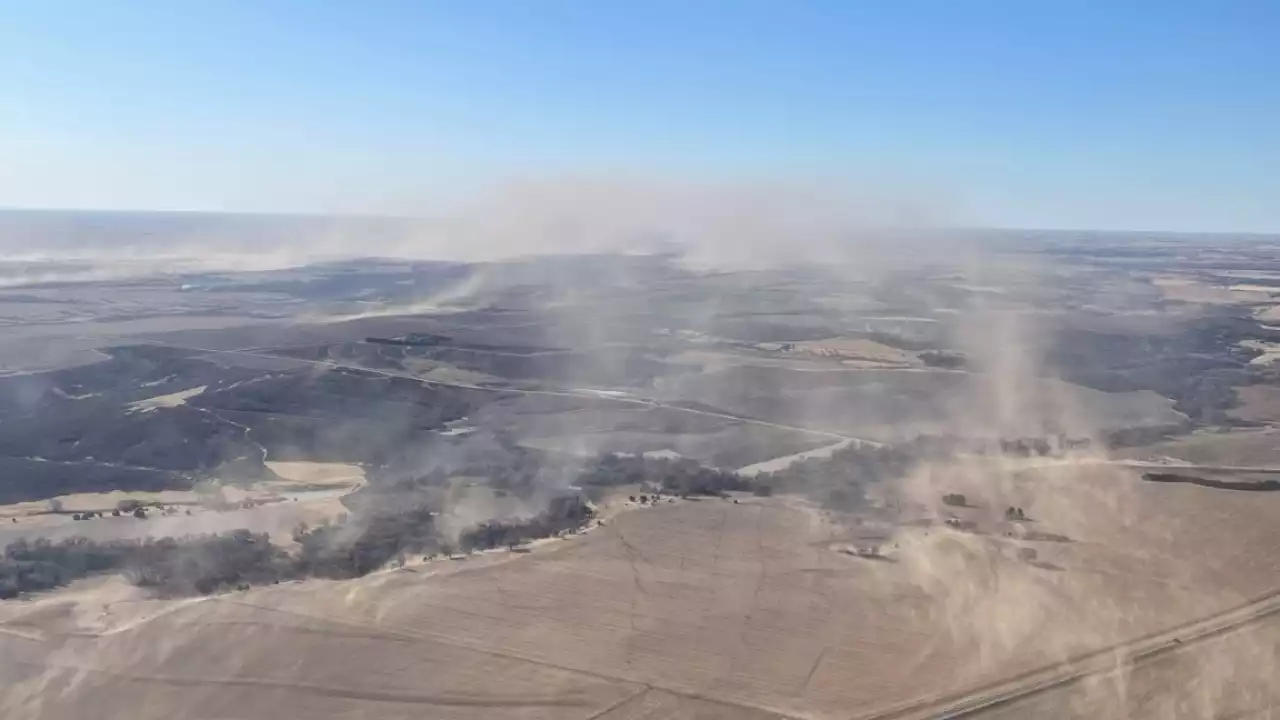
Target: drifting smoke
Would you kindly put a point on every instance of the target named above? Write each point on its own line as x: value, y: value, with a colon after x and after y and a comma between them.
x: 1093, y: 580
x: 1096, y: 564
x: 711, y: 226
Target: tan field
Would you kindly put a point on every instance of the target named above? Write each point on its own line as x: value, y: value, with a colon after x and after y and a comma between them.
x: 1188, y: 289
x: 785, y: 461
x: 859, y: 352
x: 106, y: 501
x: 1258, y: 403
x: 1231, y: 676
x: 311, y: 474
x: 1255, y: 288
x: 294, y: 476
x: 166, y: 401
x: 707, y: 609
x: 1270, y: 351
x: 1239, y: 448
x: 307, y: 492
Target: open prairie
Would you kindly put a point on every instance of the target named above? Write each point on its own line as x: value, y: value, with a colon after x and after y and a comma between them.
x: 616, y: 487
x: 692, y: 608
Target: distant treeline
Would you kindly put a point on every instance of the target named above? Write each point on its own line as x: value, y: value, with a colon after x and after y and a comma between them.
x: 396, y: 513
x: 192, y: 565
x: 1198, y: 367
x: 211, y: 563
x: 426, y: 340
x: 1259, y: 486
x: 563, y: 514
x: 392, y: 517
x: 410, y: 340
x: 73, y: 430
x: 840, y: 481
x: 674, y: 476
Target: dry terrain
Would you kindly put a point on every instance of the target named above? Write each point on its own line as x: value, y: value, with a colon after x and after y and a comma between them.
x: 859, y: 352
x: 738, y: 607
x: 1258, y: 403
x: 1192, y: 290
x: 1239, y: 448
x: 1230, y: 676
x: 306, y: 492
x: 710, y: 608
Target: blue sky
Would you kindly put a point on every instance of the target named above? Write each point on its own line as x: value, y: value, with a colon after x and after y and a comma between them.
x: 1054, y: 113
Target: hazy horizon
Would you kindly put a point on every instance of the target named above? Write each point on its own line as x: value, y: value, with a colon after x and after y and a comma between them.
x: 405, y: 217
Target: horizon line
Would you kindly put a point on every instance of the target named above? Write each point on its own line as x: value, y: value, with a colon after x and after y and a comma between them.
x: 387, y: 217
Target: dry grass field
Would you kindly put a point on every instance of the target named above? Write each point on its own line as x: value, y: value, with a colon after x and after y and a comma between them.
x: 306, y: 492
x: 1192, y: 290
x: 302, y: 475
x: 859, y: 352
x: 707, y: 609
x: 1239, y: 448
x: 1258, y: 403
x: 1232, y: 676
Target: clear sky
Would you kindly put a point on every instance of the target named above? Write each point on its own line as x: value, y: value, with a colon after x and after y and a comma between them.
x: 1047, y: 113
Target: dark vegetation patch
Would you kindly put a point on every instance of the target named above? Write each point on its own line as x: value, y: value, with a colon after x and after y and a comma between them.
x: 179, y: 439
x: 564, y: 514
x: 756, y: 331
x: 97, y: 443
x: 426, y: 340
x: 398, y: 283
x: 612, y: 365
x: 22, y: 479
x: 339, y: 415
x: 945, y: 359
x: 129, y: 374
x: 29, y: 298
x: 842, y: 480
x: 1197, y: 367
x: 211, y: 563
x: 410, y: 340
x: 672, y: 476
x: 392, y: 516
x: 1250, y: 485
x: 356, y: 548
x: 192, y: 565
x: 1040, y: 536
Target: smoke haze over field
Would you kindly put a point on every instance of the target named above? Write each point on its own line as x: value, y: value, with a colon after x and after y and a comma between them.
x: 713, y: 225
x: 667, y: 360
x: 689, y: 331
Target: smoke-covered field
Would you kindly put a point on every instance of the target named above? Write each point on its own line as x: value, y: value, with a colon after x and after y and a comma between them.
x: 753, y: 604
x: 1031, y: 474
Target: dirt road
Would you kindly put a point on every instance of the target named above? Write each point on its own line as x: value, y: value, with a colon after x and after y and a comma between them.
x: 1100, y: 663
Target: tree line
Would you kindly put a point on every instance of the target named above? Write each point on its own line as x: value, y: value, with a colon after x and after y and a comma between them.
x: 197, y: 565
x: 192, y: 565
